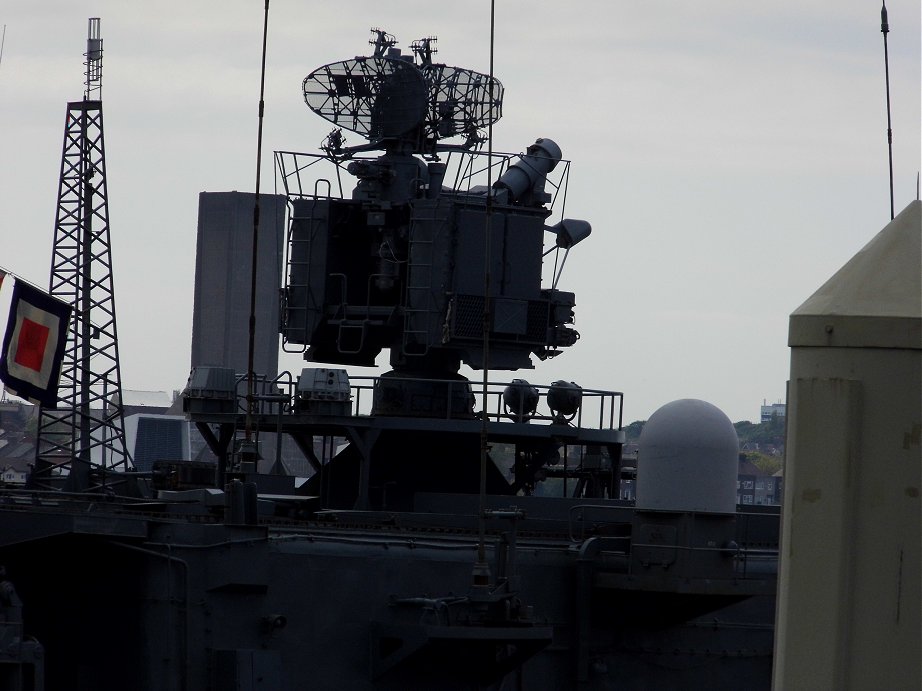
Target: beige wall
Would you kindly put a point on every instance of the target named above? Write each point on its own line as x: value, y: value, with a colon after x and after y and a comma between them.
x: 849, y: 586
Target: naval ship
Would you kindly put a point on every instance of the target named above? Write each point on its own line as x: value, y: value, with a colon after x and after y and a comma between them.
x: 453, y: 533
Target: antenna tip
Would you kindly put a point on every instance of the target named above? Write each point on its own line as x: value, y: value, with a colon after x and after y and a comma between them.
x: 884, y: 26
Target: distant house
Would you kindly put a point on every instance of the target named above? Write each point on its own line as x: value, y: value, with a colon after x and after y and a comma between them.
x: 756, y: 487
x: 13, y: 476
x: 779, y: 487
x: 17, y: 444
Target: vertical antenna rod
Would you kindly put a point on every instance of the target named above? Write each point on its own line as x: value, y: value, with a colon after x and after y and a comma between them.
x: 885, y: 29
x: 252, y: 325
x: 481, y: 569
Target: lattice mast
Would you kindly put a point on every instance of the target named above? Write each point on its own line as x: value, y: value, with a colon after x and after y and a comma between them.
x: 84, y: 437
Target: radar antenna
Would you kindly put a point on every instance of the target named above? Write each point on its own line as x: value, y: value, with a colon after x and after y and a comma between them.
x: 423, y: 49
x: 404, y: 103
x: 382, y: 42
x: 93, y: 82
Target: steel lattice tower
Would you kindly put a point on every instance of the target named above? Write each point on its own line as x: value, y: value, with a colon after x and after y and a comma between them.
x: 84, y: 439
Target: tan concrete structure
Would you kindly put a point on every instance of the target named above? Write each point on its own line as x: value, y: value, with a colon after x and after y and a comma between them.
x: 849, y: 600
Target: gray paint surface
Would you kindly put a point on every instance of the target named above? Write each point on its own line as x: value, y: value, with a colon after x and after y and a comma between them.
x: 220, y: 321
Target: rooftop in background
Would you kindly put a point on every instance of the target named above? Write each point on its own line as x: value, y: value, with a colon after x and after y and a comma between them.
x: 153, y: 399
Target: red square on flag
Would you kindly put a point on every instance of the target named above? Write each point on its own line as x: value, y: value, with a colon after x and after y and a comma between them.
x: 30, y: 350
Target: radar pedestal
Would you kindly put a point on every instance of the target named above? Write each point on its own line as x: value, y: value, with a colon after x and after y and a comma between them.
x: 408, y: 264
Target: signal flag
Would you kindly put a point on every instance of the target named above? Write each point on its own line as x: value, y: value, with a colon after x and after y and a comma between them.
x: 33, y: 347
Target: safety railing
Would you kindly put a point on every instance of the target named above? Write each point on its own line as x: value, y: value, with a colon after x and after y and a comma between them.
x: 586, y: 408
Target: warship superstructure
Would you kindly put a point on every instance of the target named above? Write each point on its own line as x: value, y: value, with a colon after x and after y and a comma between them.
x: 453, y: 533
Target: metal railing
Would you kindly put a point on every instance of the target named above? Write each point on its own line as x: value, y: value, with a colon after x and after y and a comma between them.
x: 589, y: 521
x: 598, y: 409
x: 302, y: 174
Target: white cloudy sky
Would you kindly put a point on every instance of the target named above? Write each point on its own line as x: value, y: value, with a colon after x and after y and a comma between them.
x: 730, y: 157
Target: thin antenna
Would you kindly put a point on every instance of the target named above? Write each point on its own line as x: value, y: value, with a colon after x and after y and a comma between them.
x: 248, y: 432
x: 2, y: 41
x: 481, y: 568
x: 93, y: 59
x: 885, y: 29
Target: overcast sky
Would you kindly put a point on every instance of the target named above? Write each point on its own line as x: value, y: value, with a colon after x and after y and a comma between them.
x: 729, y: 156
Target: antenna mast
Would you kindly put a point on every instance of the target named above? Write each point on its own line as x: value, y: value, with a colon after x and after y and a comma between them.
x: 86, y: 431
x: 247, y: 451
x: 885, y: 29
x: 481, y: 573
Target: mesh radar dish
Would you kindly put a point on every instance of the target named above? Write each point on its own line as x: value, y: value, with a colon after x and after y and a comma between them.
x: 377, y: 97
x: 461, y: 101
x: 392, y: 96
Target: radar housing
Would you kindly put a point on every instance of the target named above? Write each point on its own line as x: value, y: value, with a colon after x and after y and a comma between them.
x: 437, y: 253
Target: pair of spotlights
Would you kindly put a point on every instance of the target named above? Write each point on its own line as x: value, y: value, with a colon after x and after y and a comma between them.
x: 520, y: 400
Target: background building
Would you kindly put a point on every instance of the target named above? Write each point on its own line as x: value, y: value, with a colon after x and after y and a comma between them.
x: 772, y: 410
